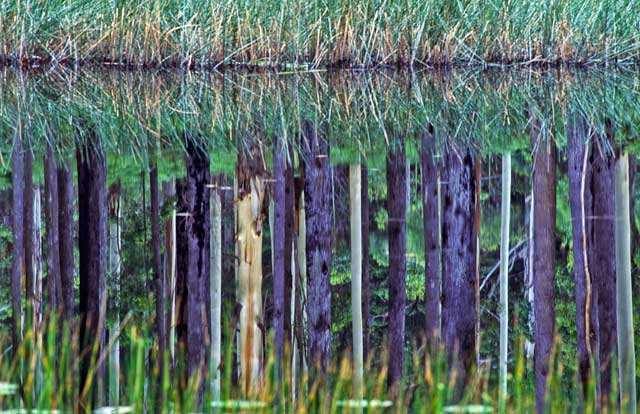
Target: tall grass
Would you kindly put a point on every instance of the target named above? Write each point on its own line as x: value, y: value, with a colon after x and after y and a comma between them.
x: 299, y: 34
x: 428, y: 385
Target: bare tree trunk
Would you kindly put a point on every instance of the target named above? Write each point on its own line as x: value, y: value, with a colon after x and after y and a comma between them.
x: 216, y: 289
x: 432, y: 253
x: 602, y: 258
x: 278, y: 242
x: 169, y: 192
x: 54, y: 282
x: 92, y: 243
x: 624, y: 307
x: 504, y: 278
x: 544, y: 188
x: 113, y: 270
x: 318, y: 227
x: 17, y: 228
x: 198, y: 305
x: 66, y: 238
x: 29, y: 253
x: 581, y: 203
x: 366, y: 289
x: 161, y: 323
x: 397, y: 241
x: 355, y: 202
x: 459, y: 261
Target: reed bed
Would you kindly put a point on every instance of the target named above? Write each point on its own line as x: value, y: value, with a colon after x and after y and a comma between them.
x: 42, y: 374
x: 318, y: 34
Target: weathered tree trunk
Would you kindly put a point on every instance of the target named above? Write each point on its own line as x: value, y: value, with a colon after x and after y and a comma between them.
x: 505, y: 211
x: 529, y: 346
x: 161, y: 290
x: 602, y: 257
x: 624, y: 307
x: 316, y: 171
x: 181, y: 292
x: 432, y: 251
x: 113, y: 270
x: 544, y: 188
x: 278, y: 251
x: 289, y: 262
x: 198, y: 305
x: 366, y: 289
x: 581, y: 202
x: 250, y: 215
x: 216, y: 289
x: 54, y: 282
x: 92, y: 243
x: 66, y: 238
x: 29, y: 254
x: 459, y: 261
x: 355, y: 202
x: 632, y: 203
x: 17, y: 228
x: 397, y: 241
x: 169, y: 192
x: 36, y: 237
x: 299, y: 289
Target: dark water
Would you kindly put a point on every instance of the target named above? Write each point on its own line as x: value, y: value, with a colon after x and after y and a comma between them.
x: 430, y: 147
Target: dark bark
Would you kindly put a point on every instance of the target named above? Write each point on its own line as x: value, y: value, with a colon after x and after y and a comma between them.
x: 160, y: 281
x: 182, y: 294
x: 29, y: 251
x: 366, y: 288
x: 279, y: 298
x: 53, y: 241
x: 198, y: 309
x: 432, y: 252
x: 580, y: 201
x: 17, y: 228
x: 228, y: 272
x: 289, y: 238
x: 632, y: 204
x: 459, y: 261
x: 544, y: 218
x: 317, y: 198
x: 397, y: 242
x: 92, y: 244
x: 603, y: 257
x: 66, y: 238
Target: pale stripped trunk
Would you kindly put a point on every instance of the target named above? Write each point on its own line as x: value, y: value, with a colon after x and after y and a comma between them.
x: 355, y: 201
x: 504, y: 276
x: 626, y: 355
x: 114, y: 271
x: 249, y: 242
x: 216, y: 292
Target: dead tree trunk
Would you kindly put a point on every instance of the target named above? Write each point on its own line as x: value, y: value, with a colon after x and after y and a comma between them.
x: 316, y: 171
x: 459, y: 261
x: 580, y: 200
x: 366, y: 288
x: 54, y: 282
x: 432, y: 251
x: 397, y: 241
x: 279, y: 228
x: 92, y: 243
x: 544, y: 217
x: 603, y: 256
x: 17, y: 227
x: 66, y: 238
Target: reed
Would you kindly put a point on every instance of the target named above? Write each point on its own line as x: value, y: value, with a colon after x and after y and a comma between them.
x: 299, y: 34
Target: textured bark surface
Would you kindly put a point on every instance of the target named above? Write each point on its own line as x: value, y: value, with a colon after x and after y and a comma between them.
x: 160, y: 281
x: 366, y: 289
x: 603, y: 257
x: 66, y: 228
x: 54, y: 282
x: 459, y: 261
x: 29, y: 248
x: 432, y: 251
x: 580, y: 200
x: 317, y: 199
x: 289, y: 239
x: 397, y: 241
x: 544, y: 236
x: 198, y: 307
x: 181, y: 292
x: 17, y: 228
x: 279, y: 228
x: 92, y: 244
